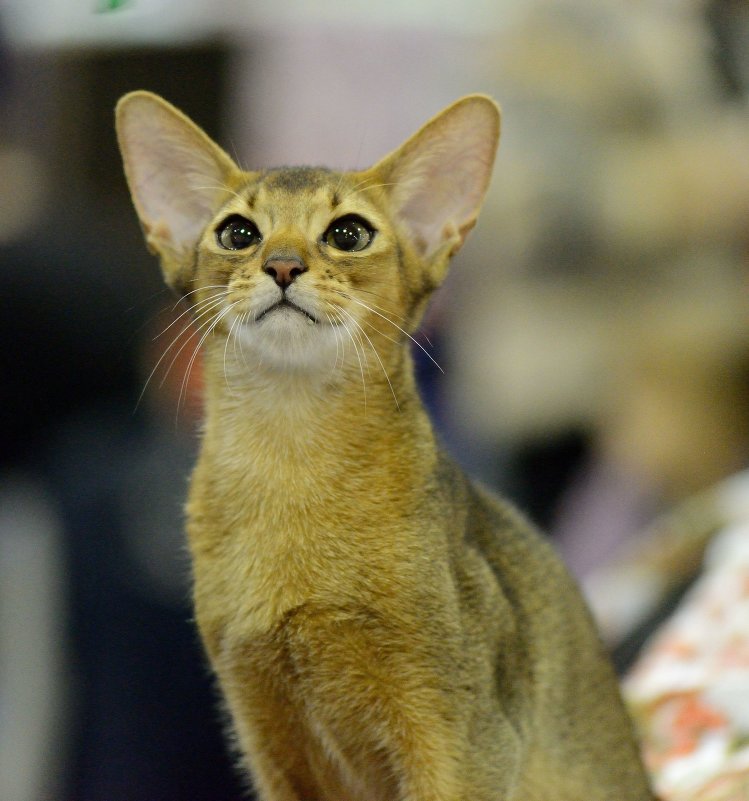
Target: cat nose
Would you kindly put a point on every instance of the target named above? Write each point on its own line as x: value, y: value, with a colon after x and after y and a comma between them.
x: 284, y: 271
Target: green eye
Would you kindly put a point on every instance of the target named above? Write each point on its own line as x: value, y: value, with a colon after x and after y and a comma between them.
x: 237, y: 233
x: 349, y: 233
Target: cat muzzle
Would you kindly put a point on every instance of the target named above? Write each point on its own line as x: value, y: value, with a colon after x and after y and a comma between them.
x: 285, y: 303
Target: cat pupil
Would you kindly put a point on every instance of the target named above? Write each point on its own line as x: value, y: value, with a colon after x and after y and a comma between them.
x: 349, y: 234
x: 346, y: 237
x: 237, y: 233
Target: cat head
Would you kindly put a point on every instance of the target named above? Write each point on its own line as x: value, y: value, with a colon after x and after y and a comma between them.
x: 285, y: 259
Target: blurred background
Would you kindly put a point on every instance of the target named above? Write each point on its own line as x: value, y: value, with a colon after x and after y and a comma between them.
x: 593, y: 332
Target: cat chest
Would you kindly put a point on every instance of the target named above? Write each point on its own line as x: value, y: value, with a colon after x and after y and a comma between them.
x: 248, y: 577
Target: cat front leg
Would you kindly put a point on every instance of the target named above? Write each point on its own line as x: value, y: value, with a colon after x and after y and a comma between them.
x: 272, y: 784
x: 429, y: 769
x: 438, y: 762
x: 272, y: 754
x: 393, y: 722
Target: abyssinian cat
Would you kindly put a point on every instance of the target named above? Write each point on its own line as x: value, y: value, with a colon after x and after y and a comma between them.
x: 381, y: 628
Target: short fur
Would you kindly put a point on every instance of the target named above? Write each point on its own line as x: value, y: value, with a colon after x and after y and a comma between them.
x: 382, y: 629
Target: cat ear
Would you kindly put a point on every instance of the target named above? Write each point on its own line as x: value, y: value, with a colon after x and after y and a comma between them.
x: 438, y: 177
x: 177, y: 177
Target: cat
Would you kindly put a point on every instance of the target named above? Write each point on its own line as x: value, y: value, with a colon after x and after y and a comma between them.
x: 382, y: 629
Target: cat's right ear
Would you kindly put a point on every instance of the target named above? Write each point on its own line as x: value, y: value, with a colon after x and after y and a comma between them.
x: 177, y: 177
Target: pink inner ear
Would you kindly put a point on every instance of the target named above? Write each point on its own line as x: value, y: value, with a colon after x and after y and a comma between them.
x: 176, y: 174
x: 443, y: 174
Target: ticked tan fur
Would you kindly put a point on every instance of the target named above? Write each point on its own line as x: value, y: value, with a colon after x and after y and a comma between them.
x: 381, y: 629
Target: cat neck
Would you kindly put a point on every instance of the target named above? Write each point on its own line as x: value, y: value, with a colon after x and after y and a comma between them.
x: 282, y: 420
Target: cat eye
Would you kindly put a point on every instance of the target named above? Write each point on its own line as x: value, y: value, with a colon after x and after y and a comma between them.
x: 349, y: 233
x: 237, y: 233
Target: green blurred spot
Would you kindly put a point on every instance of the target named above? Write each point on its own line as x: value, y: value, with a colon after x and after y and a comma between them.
x: 110, y: 5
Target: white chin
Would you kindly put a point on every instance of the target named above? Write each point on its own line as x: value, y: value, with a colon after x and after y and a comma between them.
x: 287, y: 339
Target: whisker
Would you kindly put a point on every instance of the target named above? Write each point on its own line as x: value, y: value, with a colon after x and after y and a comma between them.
x: 364, y: 185
x: 341, y: 178
x: 198, y: 289
x: 377, y: 355
x: 235, y: 155
x: 358, y: 333
x: 356, y: 191
x: 185, y: 382
x: 340, y: 354
x: 388, y: 320
x: 236, y: 338
x: 192, y: 309
x: 344, y: 340
x: 356, y: 186
x: 230, y: 336
x: 187, y: 327
x: 211, y: 328
x: 146, y: 301
x: 358, y: 358
x: 147, y: 322
x: 245, y: 317
x: 369, y: 292
x: 160, y: 360
x: 205, y: 309
x: 221, y: 187
x: 422, y: 333
x: 371, y: 325
x: 419, y: 333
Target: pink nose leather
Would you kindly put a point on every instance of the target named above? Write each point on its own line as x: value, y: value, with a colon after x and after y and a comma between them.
x: 284, y: 271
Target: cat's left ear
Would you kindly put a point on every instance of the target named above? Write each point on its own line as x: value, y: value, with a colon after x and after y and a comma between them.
x: 438, y: 178
x: 177, y: 175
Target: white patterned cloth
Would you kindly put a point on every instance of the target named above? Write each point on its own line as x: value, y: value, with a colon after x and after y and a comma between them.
x: 689, y: 691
